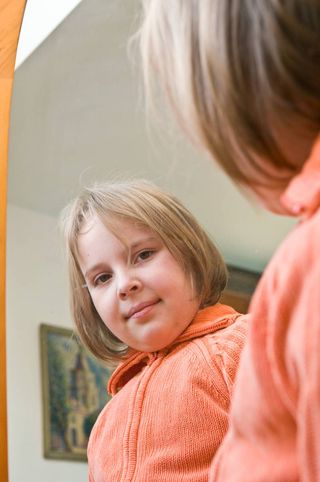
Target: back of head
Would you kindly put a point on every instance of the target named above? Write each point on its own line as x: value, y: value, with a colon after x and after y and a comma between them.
x: 235, y: 70
x: 148, y: 206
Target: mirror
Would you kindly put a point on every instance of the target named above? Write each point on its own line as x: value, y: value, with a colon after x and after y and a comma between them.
x: 77, y: 116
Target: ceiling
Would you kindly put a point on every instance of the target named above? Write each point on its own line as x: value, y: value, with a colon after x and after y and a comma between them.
x: 40, y: 18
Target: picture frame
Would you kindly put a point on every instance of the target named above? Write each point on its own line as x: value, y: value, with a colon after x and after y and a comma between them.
x: 240, y: 288
x: 74, y: 392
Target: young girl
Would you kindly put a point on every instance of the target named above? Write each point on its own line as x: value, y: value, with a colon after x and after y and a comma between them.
x: 243, y: 77
x: 145, y: 284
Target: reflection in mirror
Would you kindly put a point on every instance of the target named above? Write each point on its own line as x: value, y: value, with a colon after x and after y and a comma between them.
x: 77, y: 117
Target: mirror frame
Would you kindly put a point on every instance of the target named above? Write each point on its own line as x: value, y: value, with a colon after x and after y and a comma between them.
x: 11, y: 15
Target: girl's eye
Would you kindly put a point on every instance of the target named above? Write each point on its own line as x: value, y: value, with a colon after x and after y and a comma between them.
x: 145, y: 254
x: 102, y: 279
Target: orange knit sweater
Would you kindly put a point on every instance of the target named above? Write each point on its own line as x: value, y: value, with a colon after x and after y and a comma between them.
x: 274, y: 433
x: 169, y: 409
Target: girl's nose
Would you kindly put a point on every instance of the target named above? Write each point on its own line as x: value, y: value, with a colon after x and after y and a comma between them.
x: 128, y: 286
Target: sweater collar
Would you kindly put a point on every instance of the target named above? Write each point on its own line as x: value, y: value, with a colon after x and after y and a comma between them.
x: 302, y: 196
x: 208, y: 320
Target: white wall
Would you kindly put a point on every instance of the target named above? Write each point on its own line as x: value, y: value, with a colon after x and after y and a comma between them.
x: 36, y: 293
x: 76, y: 118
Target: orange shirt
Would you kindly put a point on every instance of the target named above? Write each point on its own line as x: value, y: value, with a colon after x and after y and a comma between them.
x: 274, y: 433
x: 169, y: 409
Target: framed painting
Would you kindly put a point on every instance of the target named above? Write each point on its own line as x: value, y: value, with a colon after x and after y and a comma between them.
x: 74, y: 392
x: 240, y: 287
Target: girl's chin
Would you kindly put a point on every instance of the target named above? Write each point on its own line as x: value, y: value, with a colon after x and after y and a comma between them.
x: 269, y: 199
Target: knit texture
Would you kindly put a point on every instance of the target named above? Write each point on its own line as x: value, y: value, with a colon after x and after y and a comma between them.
x: 169, y: 409
x: 274, y: 431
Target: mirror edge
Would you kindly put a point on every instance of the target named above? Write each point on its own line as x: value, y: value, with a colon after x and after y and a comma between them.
x: 11, y: 15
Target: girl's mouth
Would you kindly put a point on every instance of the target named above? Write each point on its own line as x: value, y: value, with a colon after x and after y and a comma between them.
x: 142, y: 309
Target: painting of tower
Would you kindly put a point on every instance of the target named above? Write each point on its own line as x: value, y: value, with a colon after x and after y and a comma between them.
x: 74, y: 393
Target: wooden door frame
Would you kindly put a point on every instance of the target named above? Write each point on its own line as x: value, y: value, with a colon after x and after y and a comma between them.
x: 11, y: 15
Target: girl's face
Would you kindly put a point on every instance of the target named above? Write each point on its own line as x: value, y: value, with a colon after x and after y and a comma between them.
x: 139, y: 290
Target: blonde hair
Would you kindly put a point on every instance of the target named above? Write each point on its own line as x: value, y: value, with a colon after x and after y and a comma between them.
x: 147, y: 205
x: 229, y: 68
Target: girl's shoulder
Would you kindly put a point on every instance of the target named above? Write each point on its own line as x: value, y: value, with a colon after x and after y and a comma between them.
x: 293, y: 269
x: 230, y: 338
x: 222, y: 349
